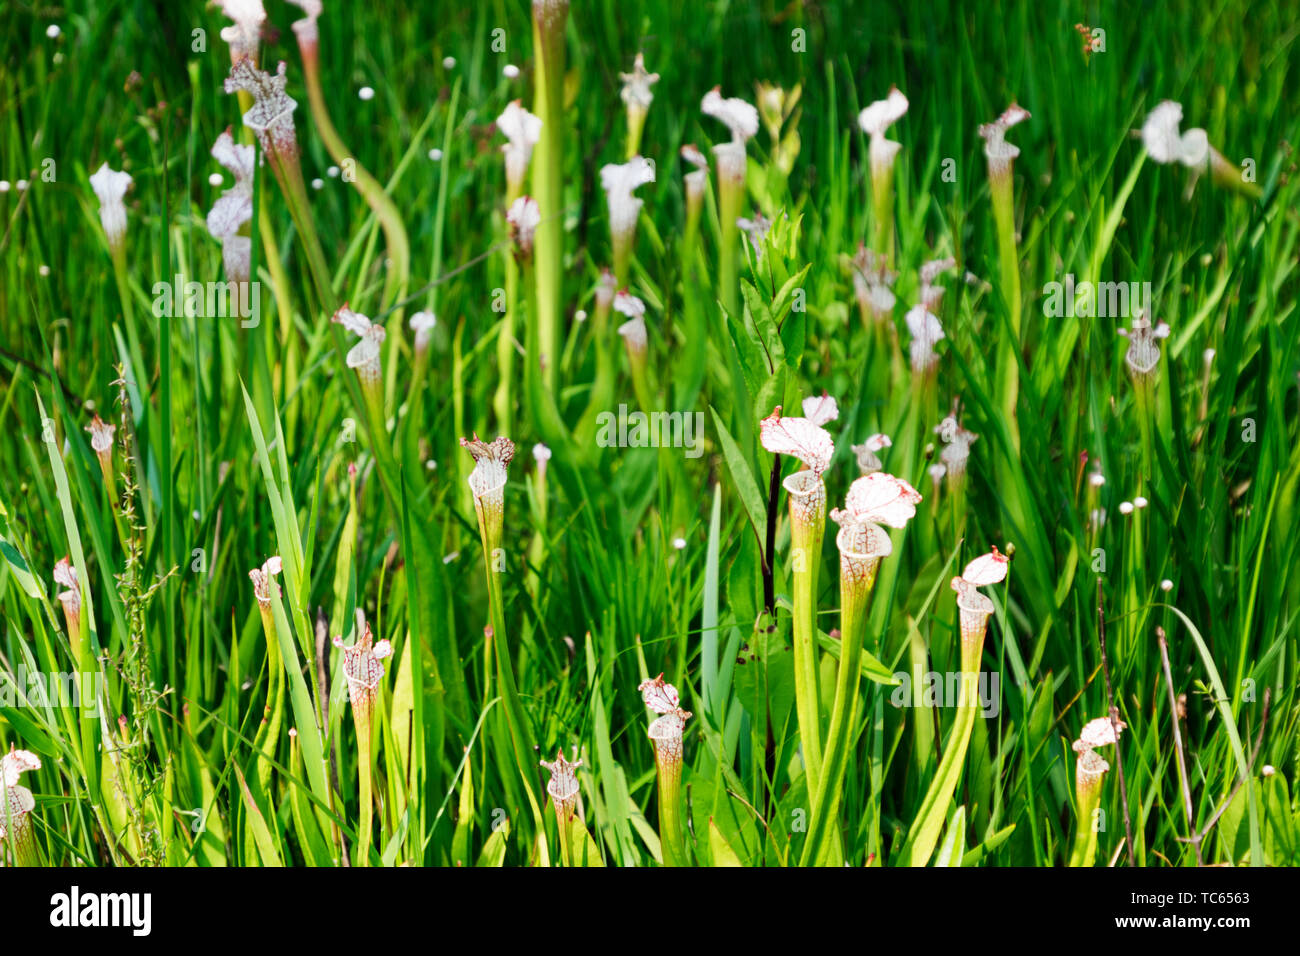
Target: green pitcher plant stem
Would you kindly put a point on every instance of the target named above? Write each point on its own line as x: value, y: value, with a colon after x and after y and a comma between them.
x: 861, y: 546
x: 974, y: 610
x: 549, y: 19
x: 363, y: 669
x: 487, y: 481
x: 397, y: 277
x: 666, y: 733
x: 807, y: 495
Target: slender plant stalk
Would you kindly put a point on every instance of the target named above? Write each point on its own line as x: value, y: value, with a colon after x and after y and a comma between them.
x: 807, y: 527
x: 605, y: 381
x: 882, y: 198
x: 731, y: 204
x: 397, y: 278
x: 1009, y: 265
x: 365, y: 791
x: 489, y: 506
x: 503, y: 400
x: 1183, y: 780
x: 549, y: 18
x: 923, y: 836
x: 269, y: 731
x: 858, y: 567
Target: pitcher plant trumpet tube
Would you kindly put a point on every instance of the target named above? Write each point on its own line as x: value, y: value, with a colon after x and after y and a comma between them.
x: 812, y: 445
x: 666, y: 732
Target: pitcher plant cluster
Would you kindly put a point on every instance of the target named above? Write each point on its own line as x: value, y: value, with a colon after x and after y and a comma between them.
x: 428, y: 616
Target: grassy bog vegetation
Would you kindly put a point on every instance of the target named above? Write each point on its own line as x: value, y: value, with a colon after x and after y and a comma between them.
x: 602, y: 434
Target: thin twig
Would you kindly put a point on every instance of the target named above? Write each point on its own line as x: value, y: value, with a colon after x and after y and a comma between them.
x: 1178, y: 743
x: 1113, y: 711
x: 451, y: 273
x: 31, y: 366
x: 1250, y: 767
